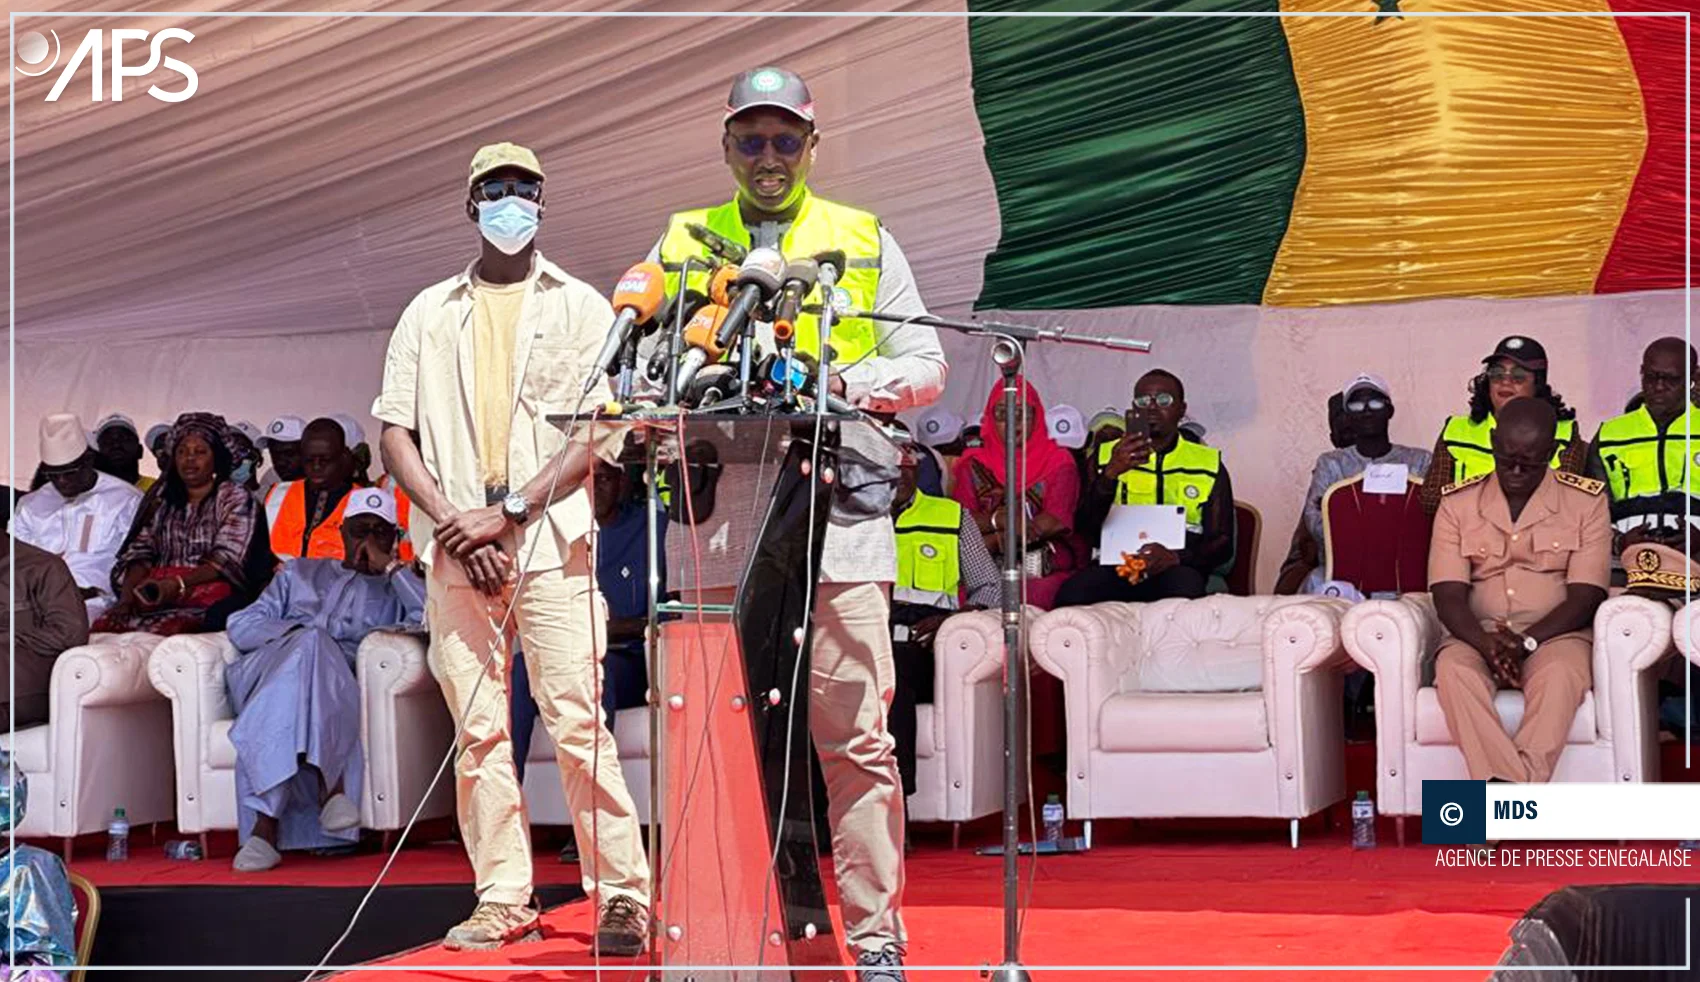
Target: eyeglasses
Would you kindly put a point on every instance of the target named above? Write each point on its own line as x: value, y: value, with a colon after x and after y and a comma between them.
x: 1163, y: 399
x: 497, y: 188
x: 785, y: 144
x: 1509, y: 373
x: 1371, y: 405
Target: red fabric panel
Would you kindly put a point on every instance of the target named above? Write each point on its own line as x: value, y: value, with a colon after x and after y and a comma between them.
x: 1378, y: 542
x: 1647, y: 252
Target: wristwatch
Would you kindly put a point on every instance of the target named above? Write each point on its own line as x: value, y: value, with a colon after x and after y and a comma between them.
x: 516, y: 509
x: 1530, y: 644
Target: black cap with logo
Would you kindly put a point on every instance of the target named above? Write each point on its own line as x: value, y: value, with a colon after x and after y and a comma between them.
x: 773, y: 87
x: 1522, y: 350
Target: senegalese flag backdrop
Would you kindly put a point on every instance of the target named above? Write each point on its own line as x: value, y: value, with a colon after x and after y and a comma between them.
x: 1313, y: 161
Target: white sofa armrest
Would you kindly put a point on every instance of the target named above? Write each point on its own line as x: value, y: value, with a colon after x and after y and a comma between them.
x: 1685, y: 631
x: 1302, y: 659
x: 1391, y: 638
x: 1080, y: 646
x: 100, y: 700
x: 188, y: 669
x: 405, y: 730
x: 968, y: 671
x: 1632, y: 635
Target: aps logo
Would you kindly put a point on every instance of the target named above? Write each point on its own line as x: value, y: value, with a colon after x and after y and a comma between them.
x: 38, y: 55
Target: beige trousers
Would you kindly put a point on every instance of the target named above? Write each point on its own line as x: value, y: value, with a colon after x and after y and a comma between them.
x: 851, y: 680
x: 1555, y: 678
x: 553, y: 619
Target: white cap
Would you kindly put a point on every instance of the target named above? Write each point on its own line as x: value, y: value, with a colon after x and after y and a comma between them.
x: 115, y: 419
x: 1366, y: 380
x: 1193, y: 426
x: 370, y: 501
x: 156, y: 433
x: 248, y: 430
x: 284, y: 429
x: 1066, y: 426
x: 937, y: 427
x: 63, y: 439
x: 352, y: 433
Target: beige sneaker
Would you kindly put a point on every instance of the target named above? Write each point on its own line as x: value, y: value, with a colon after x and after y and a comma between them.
x: 494, y: 925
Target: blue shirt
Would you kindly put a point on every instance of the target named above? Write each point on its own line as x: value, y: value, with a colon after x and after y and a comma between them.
x: 622, y: 560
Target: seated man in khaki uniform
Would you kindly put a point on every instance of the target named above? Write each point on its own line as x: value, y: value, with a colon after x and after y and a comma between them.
x: 1519, y: 561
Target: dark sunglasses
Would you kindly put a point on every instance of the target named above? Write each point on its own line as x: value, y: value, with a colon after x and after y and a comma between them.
x: 785, y: 144
x: 1509, y: 373
x: 497, y: 188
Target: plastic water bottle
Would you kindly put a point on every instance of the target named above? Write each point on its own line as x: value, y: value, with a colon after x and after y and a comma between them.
x: 118, y: 837
x: 1363, y: 822
x: 1053, y: 815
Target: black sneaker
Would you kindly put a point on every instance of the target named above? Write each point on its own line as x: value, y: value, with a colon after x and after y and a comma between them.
x: 622, y: 927
x: 884, y: 965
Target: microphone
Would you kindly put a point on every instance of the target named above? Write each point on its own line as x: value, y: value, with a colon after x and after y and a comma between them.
x: 722, y: 247
x: 758, y: 279
x: 636, y: 298
x: 720, y: 285
x: 673, y: 327
x: 798, y: 370
x: 832, y: 265
x: 703, y: 345
x: 799, y: 279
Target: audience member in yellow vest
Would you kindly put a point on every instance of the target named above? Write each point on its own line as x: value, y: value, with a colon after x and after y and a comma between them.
x: 769, y: 141
x: 1518, y: 564
x: 1159, y: 469
x: 118, y: 450
x: 305, y: 516
x: 1646, y: 457
x: 282, y: 444
x: 1517, y: 369
x: 502, y: 520
x: 942, y: 568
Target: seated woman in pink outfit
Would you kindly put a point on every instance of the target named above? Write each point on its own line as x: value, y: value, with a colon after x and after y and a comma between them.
x: 1050, y: 486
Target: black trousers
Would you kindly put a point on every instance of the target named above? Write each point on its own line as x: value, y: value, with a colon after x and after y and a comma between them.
x: 1098, y: 584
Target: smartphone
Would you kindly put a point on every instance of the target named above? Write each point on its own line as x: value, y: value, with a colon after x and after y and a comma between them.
x: 1138, y: 424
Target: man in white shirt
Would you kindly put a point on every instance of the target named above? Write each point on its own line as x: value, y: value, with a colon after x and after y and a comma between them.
x: 80, y: 514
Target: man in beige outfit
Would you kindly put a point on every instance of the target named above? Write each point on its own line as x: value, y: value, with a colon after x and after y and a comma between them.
x: 1519, y: 562
x: 502, y: 521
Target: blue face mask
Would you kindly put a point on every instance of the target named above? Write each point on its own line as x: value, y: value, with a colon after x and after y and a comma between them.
x: 509, y: 224
x: 243, y: 472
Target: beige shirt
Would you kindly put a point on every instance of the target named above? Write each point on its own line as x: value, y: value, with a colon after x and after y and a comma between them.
x: 430, y: 387
x: 1518, y: 570
x: 495, y: 321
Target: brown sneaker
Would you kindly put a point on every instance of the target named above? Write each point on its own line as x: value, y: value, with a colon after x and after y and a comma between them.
x: 494, y: 925
x: 622, y: 928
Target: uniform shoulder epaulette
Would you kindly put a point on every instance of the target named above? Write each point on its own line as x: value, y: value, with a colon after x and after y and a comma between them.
x: 1465, y: 483
x: 1579, y: 482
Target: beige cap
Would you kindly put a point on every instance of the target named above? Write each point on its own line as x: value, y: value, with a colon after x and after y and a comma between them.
x: 495, y: 156
x: 63, y: 439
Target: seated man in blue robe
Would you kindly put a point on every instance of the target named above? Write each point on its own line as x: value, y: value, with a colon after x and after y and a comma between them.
x: 39, y: 920
x: 297, y: 732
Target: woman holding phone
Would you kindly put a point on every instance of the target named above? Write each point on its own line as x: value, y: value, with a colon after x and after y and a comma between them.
x: 1048, y: 482
x: 200, y: 553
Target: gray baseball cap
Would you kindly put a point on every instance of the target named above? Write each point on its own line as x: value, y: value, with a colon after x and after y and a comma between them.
x: 774, y: 87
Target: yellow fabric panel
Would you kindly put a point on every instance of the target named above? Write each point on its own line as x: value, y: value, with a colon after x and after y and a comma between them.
x: 1457, y: 156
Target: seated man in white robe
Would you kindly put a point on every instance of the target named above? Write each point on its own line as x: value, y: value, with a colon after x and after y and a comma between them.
x: 297, y: 732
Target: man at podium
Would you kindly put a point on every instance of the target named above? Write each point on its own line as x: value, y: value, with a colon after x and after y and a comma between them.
x: 770, y: 140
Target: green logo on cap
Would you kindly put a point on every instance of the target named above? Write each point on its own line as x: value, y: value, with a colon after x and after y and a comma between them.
x: 766, y: 80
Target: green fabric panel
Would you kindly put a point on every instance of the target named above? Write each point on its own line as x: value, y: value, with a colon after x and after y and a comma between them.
x: 1137, y: 161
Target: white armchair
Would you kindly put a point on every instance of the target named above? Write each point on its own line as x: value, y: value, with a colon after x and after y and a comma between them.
x: 959, y: 735
x: 107, y: 744
x: 404, y: 729
x: 546, y: 800
x: 1225, y: 706
x: 1614, y: 736
x: 1685, y: 631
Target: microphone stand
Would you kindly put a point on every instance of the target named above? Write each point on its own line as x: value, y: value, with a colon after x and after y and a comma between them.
x: 1009, y: 353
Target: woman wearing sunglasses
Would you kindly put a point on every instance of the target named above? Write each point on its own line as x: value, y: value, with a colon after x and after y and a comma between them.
x: 1516, y: 369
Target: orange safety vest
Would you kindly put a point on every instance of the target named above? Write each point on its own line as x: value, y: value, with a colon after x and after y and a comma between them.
x: 403, y: 509
x: 286, y: 515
